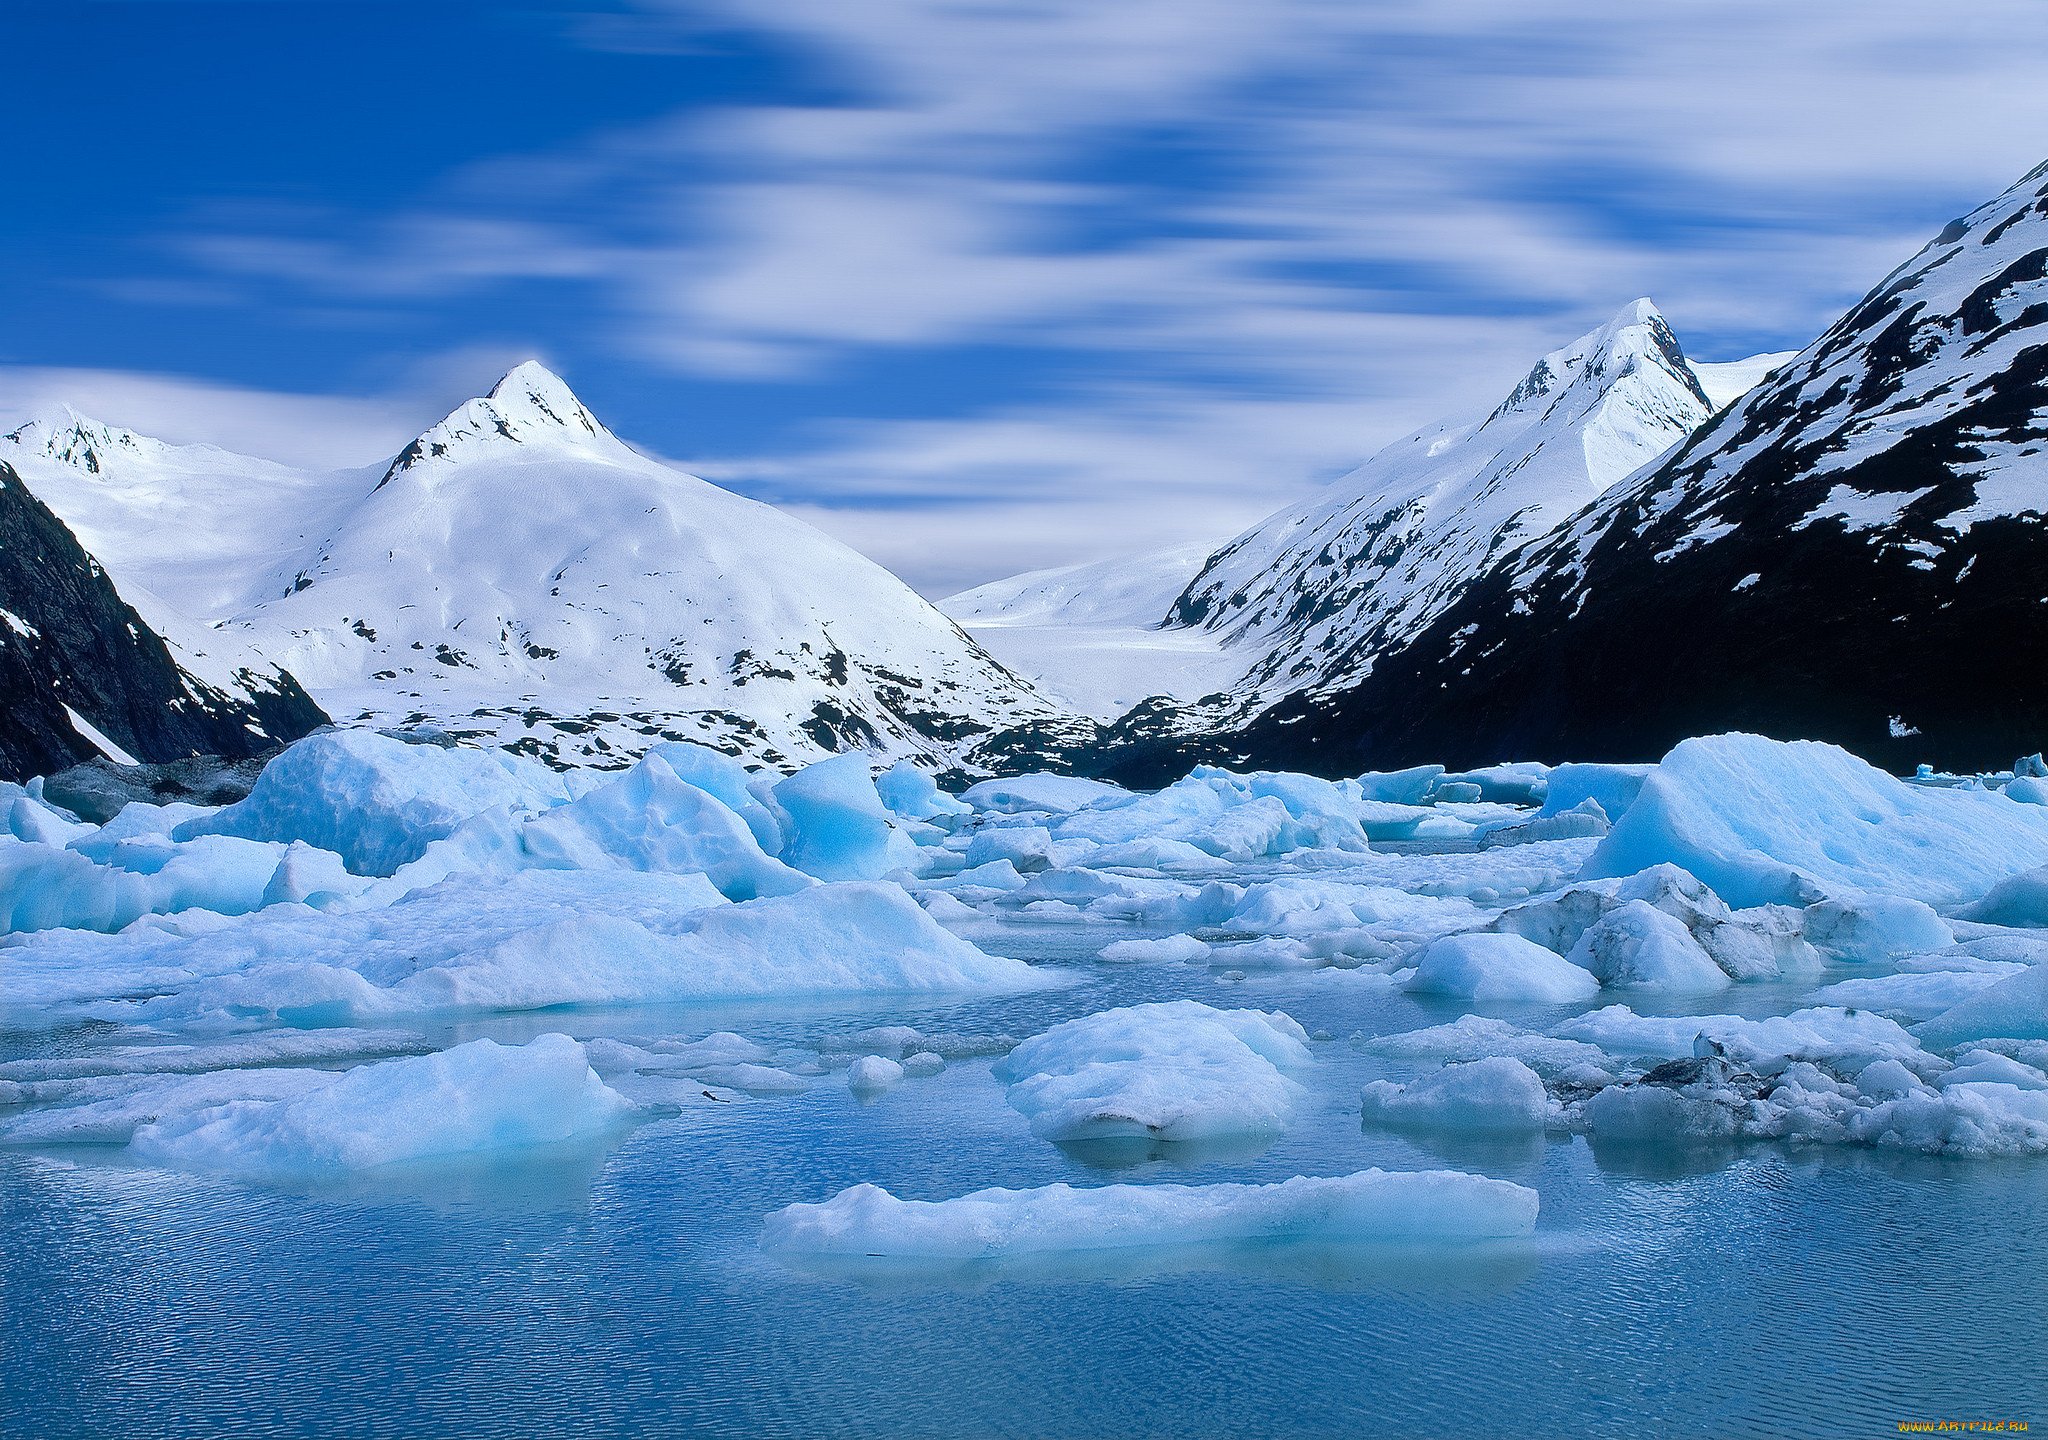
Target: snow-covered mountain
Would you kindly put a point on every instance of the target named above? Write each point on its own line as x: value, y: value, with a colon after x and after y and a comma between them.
x: 1093, y: 635
x: 1856, y: 551
x: 151, y: 513
x: 85, y: 675
x: 518, y: 572
x: 1311, y: 596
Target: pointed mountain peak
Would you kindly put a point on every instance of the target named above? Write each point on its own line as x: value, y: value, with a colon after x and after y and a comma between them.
x: 531, y: 405
x: 532, y: 391
x: 69, y: 438
x: 1637, y: 337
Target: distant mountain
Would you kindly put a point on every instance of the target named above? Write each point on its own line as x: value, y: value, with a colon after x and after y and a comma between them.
x: 1313, y: 595
x: 1129, y: 590
x: 519, y: 574
x: 1856, y: 551
x: 84, y: 675
x: 1094, y: 635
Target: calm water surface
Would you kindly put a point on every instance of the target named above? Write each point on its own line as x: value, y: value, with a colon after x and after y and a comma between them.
x: 1753, y: 1290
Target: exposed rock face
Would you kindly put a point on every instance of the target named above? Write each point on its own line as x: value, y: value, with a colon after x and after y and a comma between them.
x: 74, y: 657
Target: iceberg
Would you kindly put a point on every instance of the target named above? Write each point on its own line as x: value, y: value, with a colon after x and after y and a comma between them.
x: 1763, y: 822
x: 1496, y: 1095
x: 1174, y: 1071
x: 1492, y: 966
x: 376, y: 801
x: 652, y: 819
x: 867, y: 1221
x: 1637, y: 945
x: 839, y: 828
x: 532, y: 941
x: 476, y: 1098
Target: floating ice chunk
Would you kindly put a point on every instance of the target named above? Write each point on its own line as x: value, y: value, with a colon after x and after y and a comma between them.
x: 1475, y: 1037
x: 1639, y: 946
x: 753, y: 1079
x: 2028, y: 790
x: 1883, y: 1103
x: 1820, y: 1033
x: 1497, y: 1094
x: 1612, y: 787
x: 2016, y: 1008
x: 1307, y: 907
x: 1173, y: 1071
x: 914, y: 795
x: 1522, y: 782
x: 1916, y: 996
x: 1230, y: 817
x: 107, y: 886
x: 1170, y: 949
x: 924, y: 1063
x: 1372, y: 1205
x: 139, y: 818
x: 725, y: 778
x: 999, y: 875
x: 1763, y: 822
x: 1981, y: 1066
x: 475, y: 1098
x: 841, y: 830
x: 1154, y: 854
x: 1875, y: 927
x: 651, y: 819
x: 942, y: 906
x: 35, y: 821
x: 2019, y: 900
x: 1400, y: 787
x: 108, y: 1110
x: 681, y: 1057
x: 1387, y: 820
x: 1490, y: 966
x: 872, y: 1074
x: 1656, y: 1114
x: 307, y: 875
x: 1759, y: 943
x: 1053, y: 794
x: 1584, y: 821
x: 375, y: 801
x: 539, y: 939
x: 1974, y: 1119
x: 1028, y: 849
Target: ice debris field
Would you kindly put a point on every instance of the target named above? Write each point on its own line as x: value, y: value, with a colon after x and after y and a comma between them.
x: 1750, y: 941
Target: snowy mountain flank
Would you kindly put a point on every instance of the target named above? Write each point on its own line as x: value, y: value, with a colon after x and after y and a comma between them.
x: 518, y: 574
x: 85, y: 675
x: 1314, y: 594
x: 1853, y: 552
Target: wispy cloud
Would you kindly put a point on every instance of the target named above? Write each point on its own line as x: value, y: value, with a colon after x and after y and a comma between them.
x: 1285, y: 232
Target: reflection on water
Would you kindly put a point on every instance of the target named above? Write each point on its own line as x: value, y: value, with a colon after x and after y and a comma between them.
x: 1739, y: 1290
x: 1129, y: 1152
x: 1392, y: 1270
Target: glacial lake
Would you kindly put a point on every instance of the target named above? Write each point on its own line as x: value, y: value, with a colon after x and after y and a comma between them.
x: 1756, y: 1289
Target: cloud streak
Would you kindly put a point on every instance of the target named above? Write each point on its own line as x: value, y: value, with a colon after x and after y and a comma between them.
x: 1284, y: 233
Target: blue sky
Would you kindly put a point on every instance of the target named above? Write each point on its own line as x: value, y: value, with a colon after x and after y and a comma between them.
x: 978, y: 285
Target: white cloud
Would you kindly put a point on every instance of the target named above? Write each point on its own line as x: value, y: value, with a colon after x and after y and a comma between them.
x: 1366, y: 179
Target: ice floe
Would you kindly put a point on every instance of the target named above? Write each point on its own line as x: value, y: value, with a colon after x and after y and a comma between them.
x: 867, y: 1221
x: 1174, y: 1071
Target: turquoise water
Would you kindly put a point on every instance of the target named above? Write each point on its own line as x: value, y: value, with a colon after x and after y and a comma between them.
x: 1736, y: 1290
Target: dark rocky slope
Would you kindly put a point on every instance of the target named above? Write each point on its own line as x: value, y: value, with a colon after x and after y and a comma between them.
x: 69, y: 645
